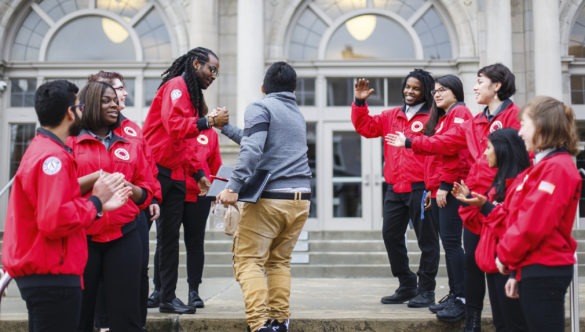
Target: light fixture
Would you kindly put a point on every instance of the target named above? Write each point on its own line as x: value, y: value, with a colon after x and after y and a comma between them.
x: 361, y: 27
x: 114, y: 30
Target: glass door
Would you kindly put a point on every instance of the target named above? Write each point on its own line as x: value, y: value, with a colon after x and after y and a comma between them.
x: 352, y: 191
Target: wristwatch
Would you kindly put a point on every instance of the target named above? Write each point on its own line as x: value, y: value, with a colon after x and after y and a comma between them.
x: 230, y: 190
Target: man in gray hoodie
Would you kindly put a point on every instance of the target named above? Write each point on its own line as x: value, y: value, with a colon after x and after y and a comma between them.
x: 274, y: 139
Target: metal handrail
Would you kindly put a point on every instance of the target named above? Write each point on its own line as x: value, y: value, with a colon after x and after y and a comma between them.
x: 6, y: 187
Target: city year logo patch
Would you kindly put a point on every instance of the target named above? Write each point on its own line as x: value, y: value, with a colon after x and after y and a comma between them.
x: 202, y: 139
x: 52, y: 165
x: 122, y: 154
x: 130, y: 131
x: 496, y: 126
x: 176, y: 94
x: 416, y: 126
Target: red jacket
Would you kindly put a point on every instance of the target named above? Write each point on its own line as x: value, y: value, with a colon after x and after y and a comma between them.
x: 203, y: 148
x: 540, y: 212
x: 131, y: 131
x: 442, y: 170
x: 473, y: 136
x: 46, y: 217
x: 123, y: 156
x: 402, y: 167
x: 170, y: 121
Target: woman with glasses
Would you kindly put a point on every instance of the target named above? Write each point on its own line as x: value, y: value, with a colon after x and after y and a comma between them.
x: 114, y: 246
x: 178, y: 113
x: 494, y: 86
x: 441, y: 171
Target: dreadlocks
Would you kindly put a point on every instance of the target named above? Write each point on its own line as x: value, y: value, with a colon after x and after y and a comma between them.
x: 184, y: 65
x: 428, y: 84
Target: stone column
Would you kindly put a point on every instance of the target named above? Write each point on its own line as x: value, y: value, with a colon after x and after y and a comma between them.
x: 498, y: 32
x: 204, y: 32
x: 250, y: 54
x: 547, y: 49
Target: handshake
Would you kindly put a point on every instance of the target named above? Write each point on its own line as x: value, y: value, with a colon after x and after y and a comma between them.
x: 218, y: 118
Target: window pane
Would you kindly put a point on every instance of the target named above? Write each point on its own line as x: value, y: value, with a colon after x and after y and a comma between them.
x: 370, y: 37
x: 130, y: 84
x: 150, y: 87
x: 339, y: 91
x: 577, y: 89
x: 22, y: 92
x: 312, y: 156
x: 434, y: 36
x: 305, y: 91
x: 395, y: 91
x: 156, y: 42
x: 347, y: 174
x: 376, y: 98
x: 123, y: 8
x: 109, y: 41
x: 20, y: 137
x: 27, y: 42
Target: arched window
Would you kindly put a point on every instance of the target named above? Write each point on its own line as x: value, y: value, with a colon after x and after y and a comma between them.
x: 110, y: 30
x: 345, y: 30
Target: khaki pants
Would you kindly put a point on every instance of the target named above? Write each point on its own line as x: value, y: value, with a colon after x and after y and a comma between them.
x: 262, y: 248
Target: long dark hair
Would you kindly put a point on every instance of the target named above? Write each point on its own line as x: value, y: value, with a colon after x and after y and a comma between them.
x: 91, y: 95
x: 511, y: 158
x: 184, y: 64
x: 452, y: 83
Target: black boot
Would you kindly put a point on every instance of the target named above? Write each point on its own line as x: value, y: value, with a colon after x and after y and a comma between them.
x: 472, y: 320
x: 194, y: 300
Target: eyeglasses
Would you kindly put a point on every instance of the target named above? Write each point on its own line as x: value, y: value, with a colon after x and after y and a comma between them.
x: 80, y: 107
x: 213, y: 69
x: 439, y: 90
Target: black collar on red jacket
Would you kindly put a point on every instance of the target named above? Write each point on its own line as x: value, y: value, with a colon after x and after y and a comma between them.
x: 53, y: 137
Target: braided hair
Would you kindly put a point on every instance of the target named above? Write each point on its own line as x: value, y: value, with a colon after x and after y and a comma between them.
x: 427, y: 82
x: 184, y: 65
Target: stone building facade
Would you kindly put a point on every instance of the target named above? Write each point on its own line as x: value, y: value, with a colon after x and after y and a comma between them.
x: 330, y: 43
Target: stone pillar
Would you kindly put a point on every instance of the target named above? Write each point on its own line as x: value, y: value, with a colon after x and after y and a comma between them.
x: 547, y: 49
x: 204, y: 32
x: 250, y: 54
x: 498, y: 32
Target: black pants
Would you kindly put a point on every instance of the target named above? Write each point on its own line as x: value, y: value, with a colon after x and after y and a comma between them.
x: 399, y: 208
x: 167, y: 235
x: 506, y: 312
x: 450, y: 231
x: 118, y: 263
x: 474, y: 277
x: 543, y: 302
x: 101, y: 316
x: 52, y: 308
x: 194, y: 222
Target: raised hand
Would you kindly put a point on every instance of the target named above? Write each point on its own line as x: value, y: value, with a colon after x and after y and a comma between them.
x: 362, y: 89
x: 398, y: 140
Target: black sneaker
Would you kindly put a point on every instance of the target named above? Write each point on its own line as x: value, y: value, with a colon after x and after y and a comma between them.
x: 445, y: 301
x: 278, y: 326
x: 422, y: 300
x: 267, y: 327
x: 453, y: 312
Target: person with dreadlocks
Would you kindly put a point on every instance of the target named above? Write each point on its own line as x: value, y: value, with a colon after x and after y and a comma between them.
x: 178, y: 113
x: 404, y: 174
